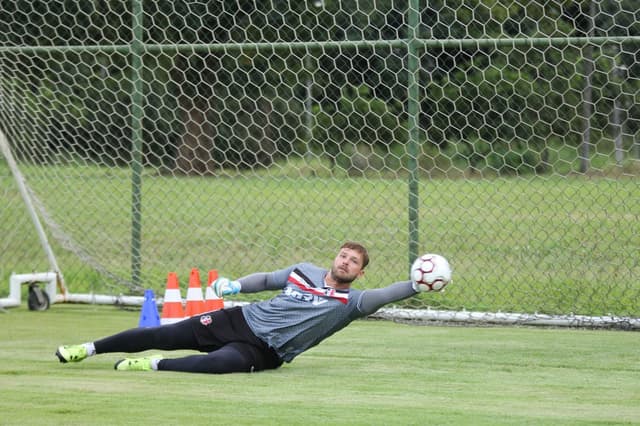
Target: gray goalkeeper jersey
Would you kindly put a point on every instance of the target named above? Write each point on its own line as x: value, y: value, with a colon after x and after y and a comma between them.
x: 307, y: 311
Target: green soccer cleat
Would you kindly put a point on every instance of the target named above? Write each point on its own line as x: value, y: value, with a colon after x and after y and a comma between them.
x: 136, y: 364
x: 73, y: 353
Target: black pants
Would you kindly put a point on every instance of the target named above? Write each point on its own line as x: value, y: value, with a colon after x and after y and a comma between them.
x: 230, y: 344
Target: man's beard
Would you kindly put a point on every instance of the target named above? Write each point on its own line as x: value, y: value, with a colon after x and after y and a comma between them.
x: 341, y: 279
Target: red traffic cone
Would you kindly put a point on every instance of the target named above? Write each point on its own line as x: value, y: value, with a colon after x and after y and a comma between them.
x: 212, y: 302
x: 195, y: 301
x: 172, y: 306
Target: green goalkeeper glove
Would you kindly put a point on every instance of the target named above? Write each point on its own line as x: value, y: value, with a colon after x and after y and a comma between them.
x: 226, y: 287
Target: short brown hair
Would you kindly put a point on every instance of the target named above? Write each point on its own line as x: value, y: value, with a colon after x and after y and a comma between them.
x: 360, y: 249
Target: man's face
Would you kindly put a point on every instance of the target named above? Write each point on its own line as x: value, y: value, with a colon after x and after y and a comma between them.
x: 347, y: 266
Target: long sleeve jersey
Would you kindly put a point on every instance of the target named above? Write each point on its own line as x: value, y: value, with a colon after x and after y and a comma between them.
x: 307, y: 311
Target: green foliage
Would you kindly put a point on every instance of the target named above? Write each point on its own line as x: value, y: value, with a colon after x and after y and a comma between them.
x: 247, y: 103
x: 499, y: 157
x: 357, y: 118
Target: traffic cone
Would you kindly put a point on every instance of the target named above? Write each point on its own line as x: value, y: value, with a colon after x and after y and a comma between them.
x: 149, y: 314
x: 211, y: 301
x: 172, y: 307
x: 195, y: 301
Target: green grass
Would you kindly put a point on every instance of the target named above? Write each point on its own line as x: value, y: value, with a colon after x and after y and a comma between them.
x: 547, y: 244
x: 372, y: 372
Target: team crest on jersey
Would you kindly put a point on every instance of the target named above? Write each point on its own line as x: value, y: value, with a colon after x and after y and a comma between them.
x: 206, y: 319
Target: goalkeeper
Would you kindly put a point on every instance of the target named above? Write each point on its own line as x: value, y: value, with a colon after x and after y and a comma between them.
x: 314, y: 304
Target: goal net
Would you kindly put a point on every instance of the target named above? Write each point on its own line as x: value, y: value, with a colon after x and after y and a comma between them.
x: 157, y: 137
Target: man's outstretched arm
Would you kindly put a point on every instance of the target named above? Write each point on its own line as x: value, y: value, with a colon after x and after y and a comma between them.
x: 253, y: 283
x: 372, y: 300
x: 259, y: 281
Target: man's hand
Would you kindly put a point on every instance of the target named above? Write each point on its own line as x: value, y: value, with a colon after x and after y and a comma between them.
x: 226, y: 287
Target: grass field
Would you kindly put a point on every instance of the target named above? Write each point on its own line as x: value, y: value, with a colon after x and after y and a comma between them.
x: 373, y: 372
x: 553, y: 245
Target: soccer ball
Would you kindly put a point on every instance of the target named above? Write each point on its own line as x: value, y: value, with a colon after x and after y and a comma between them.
x: 430, y: 272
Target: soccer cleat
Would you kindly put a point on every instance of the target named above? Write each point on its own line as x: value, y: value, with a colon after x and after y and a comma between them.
x: 73, y: 353
x: 136, y: 364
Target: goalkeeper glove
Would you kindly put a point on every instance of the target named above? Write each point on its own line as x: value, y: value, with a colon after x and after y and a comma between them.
x: 225, y: 287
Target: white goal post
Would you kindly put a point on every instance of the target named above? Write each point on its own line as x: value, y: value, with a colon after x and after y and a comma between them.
x: 53, y: 280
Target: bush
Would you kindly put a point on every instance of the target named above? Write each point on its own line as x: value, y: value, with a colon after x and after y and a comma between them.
x: 500, y: 157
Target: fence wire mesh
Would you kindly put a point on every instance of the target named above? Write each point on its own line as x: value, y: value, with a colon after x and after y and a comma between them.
x: 246, y: 136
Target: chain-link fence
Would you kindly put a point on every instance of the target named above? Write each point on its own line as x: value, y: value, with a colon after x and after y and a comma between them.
x: 245, y: 136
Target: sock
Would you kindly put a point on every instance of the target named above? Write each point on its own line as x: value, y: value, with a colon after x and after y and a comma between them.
x: 154, y: 363
x: 90, y: 347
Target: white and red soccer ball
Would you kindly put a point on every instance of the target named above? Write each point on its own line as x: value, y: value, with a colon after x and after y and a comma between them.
x: 430, y: 272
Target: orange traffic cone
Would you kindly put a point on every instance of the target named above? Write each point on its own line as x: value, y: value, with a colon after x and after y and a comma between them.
x: 172, y: 305
x: 195, y: 301
x: 212, y: 302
